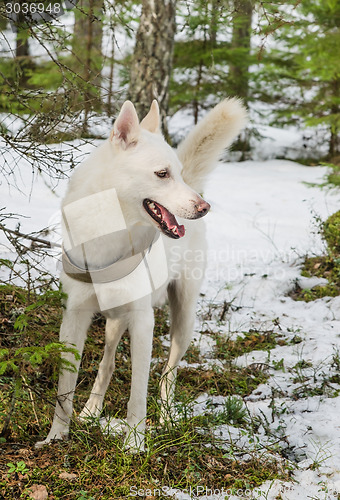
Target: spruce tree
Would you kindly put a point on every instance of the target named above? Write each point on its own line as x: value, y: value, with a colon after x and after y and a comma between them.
x: 303, y: 71
x: 201, y: 56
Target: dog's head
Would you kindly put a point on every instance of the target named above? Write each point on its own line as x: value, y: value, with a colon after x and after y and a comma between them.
x: 148, y: 174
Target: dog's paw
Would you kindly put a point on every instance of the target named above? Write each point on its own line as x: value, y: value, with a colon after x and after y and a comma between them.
x: 134, y: 439
x: 90, y: 412
x: 113, y: 426
x: 50, y: 439
x: 134, y: 442
x: 168, y: 416
x: 40, y: 444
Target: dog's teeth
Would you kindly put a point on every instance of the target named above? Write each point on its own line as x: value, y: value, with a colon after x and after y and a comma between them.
x: 154, y: 209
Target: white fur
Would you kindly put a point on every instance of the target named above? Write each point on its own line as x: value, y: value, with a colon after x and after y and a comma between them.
x: 126, y: 163
x: 204, y: 145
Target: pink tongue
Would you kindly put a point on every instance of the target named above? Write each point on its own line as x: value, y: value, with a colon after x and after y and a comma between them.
x: 171, y: 221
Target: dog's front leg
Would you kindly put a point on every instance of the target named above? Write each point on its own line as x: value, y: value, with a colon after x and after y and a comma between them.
x: 141, y: 325
x: 73, y: 333
x: 113, y: 331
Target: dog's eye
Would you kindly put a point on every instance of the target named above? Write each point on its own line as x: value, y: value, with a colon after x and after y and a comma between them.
x: 162, y: 174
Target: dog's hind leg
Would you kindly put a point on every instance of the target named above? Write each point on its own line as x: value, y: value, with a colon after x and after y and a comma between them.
x: 141, y: 323
x: 113, y: 332
x: 183, y: 295
x: 73, y: 333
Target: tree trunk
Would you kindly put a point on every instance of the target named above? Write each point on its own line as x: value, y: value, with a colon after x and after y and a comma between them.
x: 198, y: 85
x: 3, y: 22
x: 87, y: 51
x: 152, y: 60
x: 22, y: 52
x: 21, y: 48
x: 240, y: 46
x: 112, y: 65
x: 239, y: 69
x: 215, y: 12
x: 334, y: 142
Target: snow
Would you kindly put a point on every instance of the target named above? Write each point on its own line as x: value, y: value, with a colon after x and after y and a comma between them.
x: 262, y: 219
x: 261, y: 225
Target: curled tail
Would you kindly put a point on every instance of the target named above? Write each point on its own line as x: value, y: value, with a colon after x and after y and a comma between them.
x: 203, y: 146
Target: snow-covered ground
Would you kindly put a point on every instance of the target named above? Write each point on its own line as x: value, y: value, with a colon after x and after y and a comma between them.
x: 261, y: 224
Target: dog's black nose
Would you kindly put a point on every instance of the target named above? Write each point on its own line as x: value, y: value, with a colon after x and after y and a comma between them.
x: 203, y: 208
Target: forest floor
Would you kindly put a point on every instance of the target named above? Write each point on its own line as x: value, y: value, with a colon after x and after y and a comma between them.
x: 258, y: 392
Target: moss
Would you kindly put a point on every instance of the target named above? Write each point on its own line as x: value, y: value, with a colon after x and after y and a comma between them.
x: 227, y: 381
x: 325, y: 266
x: 331, y: 233
x: 249, y: 341
x: 317, y: 292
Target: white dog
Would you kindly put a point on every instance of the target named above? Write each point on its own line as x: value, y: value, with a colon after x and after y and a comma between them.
x: 125, y: 251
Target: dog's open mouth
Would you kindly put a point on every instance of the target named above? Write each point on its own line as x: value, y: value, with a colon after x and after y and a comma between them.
x: 166, y: 220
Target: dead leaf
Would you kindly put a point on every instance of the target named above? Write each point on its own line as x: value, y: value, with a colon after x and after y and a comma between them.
x: 38, y: 492
x: 68, y: 476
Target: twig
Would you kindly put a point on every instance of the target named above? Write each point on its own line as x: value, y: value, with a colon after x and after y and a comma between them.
x: 49, y: 244
x: 31, y: 398
x: 39, y: 394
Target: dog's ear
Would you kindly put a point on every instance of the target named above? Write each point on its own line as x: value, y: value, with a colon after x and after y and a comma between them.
x: 151, y: 121
x: 126, y: 128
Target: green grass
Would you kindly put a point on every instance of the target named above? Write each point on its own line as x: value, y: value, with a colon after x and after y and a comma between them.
x: 326, y: 266
x: 105, y: 471
x: 186, y: 453
x: 249, y: 341
x: 218, y: 381
x: 332, y: 178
